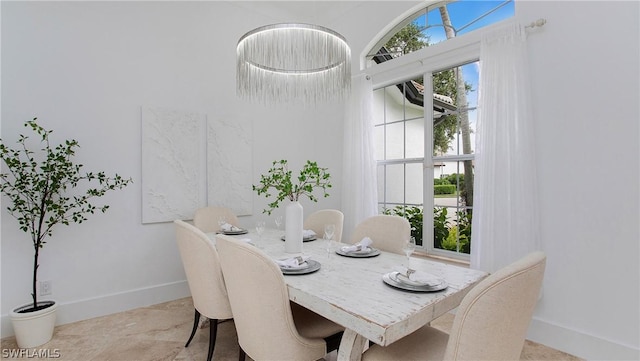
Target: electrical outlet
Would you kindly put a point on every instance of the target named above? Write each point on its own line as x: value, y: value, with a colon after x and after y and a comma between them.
x: 45, y: 288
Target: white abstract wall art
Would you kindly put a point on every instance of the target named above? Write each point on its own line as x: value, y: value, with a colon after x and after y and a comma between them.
x: 230, y: 164
x: 173, y: 166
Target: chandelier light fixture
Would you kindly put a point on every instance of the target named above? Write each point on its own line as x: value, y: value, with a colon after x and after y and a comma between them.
x: 293, y: 63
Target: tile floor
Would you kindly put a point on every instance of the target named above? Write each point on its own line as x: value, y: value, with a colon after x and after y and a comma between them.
x: 159, y: 332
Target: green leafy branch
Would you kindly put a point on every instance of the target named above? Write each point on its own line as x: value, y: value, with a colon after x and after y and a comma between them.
x: 279, y: 178
x: 37, y: 185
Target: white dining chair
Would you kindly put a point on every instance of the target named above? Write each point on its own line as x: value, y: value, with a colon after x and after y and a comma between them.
x: 206, y: 219
x: 388, y: 233
x: 204, y: 276
x: 490, y: 324
x: 269, y: 326
x: 317, y: 220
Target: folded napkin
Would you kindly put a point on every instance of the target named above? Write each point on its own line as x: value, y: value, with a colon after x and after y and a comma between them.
x: 293, y: 263
x: 362, y: 246
x: 229, y: 228
x: 418, y: 277
x: 307, y: 233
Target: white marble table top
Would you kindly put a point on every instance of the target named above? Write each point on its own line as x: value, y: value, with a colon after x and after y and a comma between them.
x: 350, y: 292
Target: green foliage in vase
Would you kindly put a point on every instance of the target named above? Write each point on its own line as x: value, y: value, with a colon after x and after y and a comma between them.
x: 279, y: 178
x: 43, y: 188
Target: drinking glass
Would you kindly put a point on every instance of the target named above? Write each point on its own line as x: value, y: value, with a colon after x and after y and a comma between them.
x: 408, y: 248
x: 329, y: 231
x: 279, y: 222
x: 260, y: 229
x: 221, y: 222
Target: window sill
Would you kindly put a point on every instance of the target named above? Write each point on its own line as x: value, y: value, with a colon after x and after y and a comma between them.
x: 447, y: 260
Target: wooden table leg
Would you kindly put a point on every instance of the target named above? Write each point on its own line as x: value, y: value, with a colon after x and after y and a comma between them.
x: 351, y: 346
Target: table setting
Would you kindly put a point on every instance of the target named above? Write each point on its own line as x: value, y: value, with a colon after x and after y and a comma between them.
x: 229, y: 229
x: 402, y: 278
x: 298, y: 265
x: 409, y: 279
x: 359, y: 250
x: 402, y: 293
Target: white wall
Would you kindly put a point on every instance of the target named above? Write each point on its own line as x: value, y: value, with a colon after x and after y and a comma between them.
x: 586, y: 92
x: 86, y: 68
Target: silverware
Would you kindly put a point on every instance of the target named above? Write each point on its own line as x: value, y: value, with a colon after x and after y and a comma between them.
x: 410, y: 272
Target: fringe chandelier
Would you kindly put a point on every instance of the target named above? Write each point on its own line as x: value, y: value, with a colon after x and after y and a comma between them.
x: 293, y: 63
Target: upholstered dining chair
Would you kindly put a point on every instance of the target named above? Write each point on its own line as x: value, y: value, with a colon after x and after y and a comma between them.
x: 388, y: 233
x: 490, y: 324
x: 206, y: 219
x: 269, y: 326
x: 204, y: 276
x: 317, y: 220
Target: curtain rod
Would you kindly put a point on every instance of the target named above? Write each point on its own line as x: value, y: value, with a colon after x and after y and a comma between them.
x: 534, y: 24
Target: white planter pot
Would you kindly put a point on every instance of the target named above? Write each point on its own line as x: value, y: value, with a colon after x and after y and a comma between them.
x: 293, y: 228
x: 33, y: 329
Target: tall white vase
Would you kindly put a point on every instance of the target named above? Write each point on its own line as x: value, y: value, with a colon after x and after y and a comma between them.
x: 293, y: 228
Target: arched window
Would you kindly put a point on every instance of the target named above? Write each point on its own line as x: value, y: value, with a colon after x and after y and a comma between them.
x: 425, y: 158
x: 437, y: 22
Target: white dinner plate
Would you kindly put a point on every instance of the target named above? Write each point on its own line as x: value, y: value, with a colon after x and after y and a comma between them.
x: 359, y: 254
x: 312, y: 266
x: 234, y: 233
x: 402, y: 278
x: 391, y: 279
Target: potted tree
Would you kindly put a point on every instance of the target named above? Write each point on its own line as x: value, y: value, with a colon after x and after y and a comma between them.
x: 279, y: 178
x: 46, y: 188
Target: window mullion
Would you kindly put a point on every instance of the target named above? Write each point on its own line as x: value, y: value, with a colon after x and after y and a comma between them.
x: 404, y: 142
x: 427, y: 176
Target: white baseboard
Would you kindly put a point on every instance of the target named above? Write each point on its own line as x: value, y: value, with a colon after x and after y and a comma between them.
x: 579, y: 344
x: 109, y: 304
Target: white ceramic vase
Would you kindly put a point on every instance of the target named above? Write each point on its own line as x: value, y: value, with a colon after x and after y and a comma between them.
x: 293, y: 228
x: 33, y: 329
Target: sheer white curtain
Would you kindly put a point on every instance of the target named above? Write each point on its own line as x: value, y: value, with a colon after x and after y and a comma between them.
x: 505, y: 216
x: 359, y: 184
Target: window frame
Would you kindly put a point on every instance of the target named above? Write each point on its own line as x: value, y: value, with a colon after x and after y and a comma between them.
x: 458, y: 51
x: 454, y: 52
x: 428, y: 162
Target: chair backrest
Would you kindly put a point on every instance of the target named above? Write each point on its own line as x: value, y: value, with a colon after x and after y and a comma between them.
x: 388, y: 233
x: 260, y: 303
x: 491, y: 322
x: 204, y: 275
x: 206, y: 219
x: 317, y: 220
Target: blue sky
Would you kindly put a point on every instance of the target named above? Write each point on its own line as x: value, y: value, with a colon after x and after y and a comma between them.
x: 464, y: 12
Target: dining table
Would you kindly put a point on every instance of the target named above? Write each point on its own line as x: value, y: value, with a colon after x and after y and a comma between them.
x: 350, y: 291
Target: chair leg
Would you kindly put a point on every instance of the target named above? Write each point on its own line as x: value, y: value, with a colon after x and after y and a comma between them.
x: 333, y: 341
x: 213, y: 331
x: 195, y: 327
x: 242, y: 354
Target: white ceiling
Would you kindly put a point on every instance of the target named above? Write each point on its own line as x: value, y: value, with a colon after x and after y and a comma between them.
x: 308, y: 11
